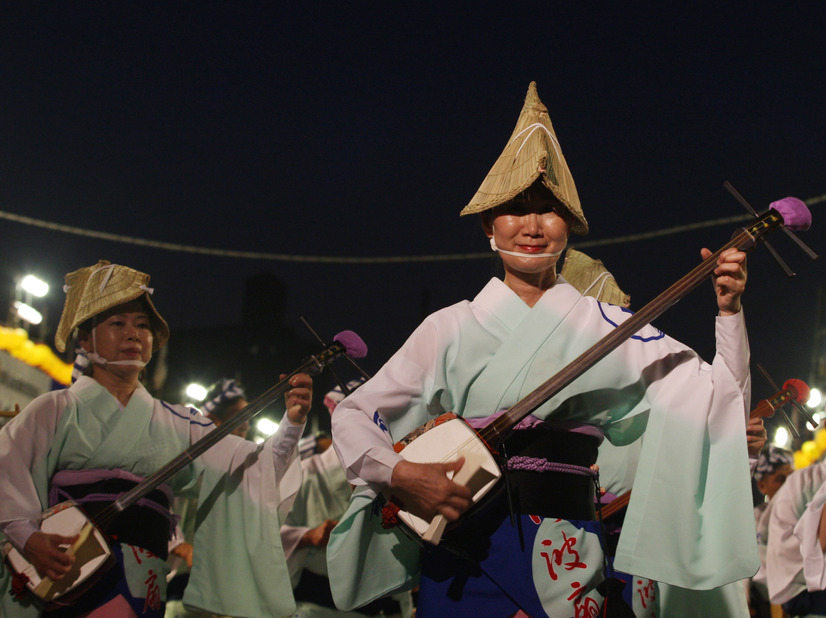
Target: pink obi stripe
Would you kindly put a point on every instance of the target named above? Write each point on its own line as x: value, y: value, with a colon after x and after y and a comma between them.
x: 530, y: 421
x: 68, y: 478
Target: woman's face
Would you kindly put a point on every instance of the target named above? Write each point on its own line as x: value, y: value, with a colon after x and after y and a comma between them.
x: 123, y: 336
x: 532, y: 228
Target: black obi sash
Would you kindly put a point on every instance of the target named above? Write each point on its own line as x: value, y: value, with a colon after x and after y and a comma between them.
x: 549, y: 472
x: 148, y: 523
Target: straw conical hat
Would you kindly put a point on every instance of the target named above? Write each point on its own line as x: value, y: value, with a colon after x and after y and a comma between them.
x: 532, y: 153
x: 591, y: 278
x: 94, y: 289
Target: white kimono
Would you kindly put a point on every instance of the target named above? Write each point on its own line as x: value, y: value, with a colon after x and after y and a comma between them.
x: 689, y: 522
x: 239, y: 566
x: 794, y: 559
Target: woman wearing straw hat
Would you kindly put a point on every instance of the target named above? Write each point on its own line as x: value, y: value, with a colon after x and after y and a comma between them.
x: 99, y: 437
x: 478, y: 357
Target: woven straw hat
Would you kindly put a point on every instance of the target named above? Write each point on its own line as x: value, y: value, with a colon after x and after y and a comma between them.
x: 591, y: 278
x: 532, y: 153
x: 95, y: 289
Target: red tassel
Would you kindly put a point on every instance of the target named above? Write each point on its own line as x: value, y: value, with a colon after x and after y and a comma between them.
x: 18, y: 585
x: 390, y: 515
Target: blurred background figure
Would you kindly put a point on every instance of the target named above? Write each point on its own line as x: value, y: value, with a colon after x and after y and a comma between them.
x: 322, y: 499
x: 223, y: 401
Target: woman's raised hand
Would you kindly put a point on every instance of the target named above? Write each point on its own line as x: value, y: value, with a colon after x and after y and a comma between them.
x: 729, y: 279
x: 299, y: 398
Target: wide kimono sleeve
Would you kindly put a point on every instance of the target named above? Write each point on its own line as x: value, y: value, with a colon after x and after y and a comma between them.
x: 397, y: 394
x: 806, y: 532
x: 295, y: 525
x: 24, y: 445
x: 690, y: 521
x: 794, y: 559
x: 364, y: 560
x: 239, y: 567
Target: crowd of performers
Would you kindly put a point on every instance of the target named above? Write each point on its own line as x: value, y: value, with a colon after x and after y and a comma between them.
x: 267, y: 533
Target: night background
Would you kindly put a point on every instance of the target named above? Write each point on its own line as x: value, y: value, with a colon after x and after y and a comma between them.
x: 305, y: 136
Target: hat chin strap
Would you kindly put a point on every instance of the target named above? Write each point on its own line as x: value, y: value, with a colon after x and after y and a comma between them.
x: 96, y: 358
x: 524, y: 255
x: 99, y: 360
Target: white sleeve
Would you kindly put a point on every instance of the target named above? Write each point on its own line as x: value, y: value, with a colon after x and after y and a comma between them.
x: 285, y: 445
x: 24, y: 441
x: 360, y: 434
x: 18, y: 532
x: 784, y: 553
x: 806, y: 533
x: 733, y: 348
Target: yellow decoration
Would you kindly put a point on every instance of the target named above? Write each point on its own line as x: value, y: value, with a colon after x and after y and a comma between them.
x: 801, y: 461
x: 809, y: 449
x: 820, y: 439
x: 16, y: 342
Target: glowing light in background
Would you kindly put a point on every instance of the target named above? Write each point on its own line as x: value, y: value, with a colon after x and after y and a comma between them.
x: 266, y: 426
x: 781, y: 437
x: 196, y: 392
x: 27, y: 313
x: 35, y: 286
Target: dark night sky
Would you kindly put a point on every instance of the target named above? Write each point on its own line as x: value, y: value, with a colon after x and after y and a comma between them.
x: 345, y: 131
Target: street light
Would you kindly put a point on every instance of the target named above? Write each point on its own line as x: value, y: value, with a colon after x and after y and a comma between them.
x: 781, y: 437
x: 34, y: 286
x: 815, y: 397
x: 27, y: 313
x: 266, y: 426
x: 26, y: 290
x: 196, y: 392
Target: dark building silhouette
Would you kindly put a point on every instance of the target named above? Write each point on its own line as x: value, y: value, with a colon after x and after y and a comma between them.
x: 254, y: 352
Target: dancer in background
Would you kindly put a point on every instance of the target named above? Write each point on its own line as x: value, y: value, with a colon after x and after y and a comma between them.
x: 796, y: 543
x: 774, y: 465
x: 106, y: 433
x: 224, y: 400
x: 321, y: 501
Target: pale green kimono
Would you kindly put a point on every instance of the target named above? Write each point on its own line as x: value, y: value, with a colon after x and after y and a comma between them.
x: 324, y: 494
x: 239, y: 566
x: 690, y: 521
x: 617, y: 467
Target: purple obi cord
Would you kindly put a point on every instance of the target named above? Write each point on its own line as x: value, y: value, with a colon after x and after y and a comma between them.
x: 536, y: 464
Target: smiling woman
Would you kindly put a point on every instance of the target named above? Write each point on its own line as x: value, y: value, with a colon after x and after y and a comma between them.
x: 120, y: 341
x: 92, y: 442
x: 530, y: 232
x: 478, y: 360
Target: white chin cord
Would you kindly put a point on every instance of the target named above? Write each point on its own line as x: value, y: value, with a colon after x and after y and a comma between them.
x: 96, y: 358
x: 84, y: 359
x: 99, y: 360
x: 523, y: 255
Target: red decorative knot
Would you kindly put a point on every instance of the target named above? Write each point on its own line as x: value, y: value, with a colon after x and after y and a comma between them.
x: 18, y: 585
x: 390, y: 515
